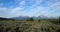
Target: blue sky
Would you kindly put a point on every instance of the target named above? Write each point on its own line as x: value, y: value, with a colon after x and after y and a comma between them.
x: 16, y: 8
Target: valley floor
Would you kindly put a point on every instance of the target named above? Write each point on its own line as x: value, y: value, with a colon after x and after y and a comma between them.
x: 28, y: 26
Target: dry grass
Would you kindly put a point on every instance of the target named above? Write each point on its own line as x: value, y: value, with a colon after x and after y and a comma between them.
x: 32, y: 25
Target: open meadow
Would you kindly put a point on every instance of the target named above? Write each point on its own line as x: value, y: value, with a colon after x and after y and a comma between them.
x: 29, y: 26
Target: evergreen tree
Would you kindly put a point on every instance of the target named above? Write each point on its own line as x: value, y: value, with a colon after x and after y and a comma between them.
x: 31, y: 19
x: 59, y: 19
x: 39, y: 20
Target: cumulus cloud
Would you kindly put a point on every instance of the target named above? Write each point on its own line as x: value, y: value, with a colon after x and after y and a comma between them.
x: 36, y: 9
x: 17, y: 9
x: 3, y: 9
x: 3, y: 12
x: 51, y: 10
x: 36, y: 3
x: 55, y: 6
x: 22, y: 3
x: 54, y: 9
x: 54, y: 1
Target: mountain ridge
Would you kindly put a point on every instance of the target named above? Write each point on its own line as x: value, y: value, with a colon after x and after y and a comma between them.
x: 27, y: 17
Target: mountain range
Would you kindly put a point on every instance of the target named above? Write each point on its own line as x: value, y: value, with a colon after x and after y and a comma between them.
x: 27, y: 17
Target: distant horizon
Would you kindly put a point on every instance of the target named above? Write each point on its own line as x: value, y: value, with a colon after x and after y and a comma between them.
x: 32, y: 16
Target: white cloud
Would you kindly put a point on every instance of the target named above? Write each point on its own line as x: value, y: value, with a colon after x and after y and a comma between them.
x: 3, y: 9
x: 35, y: 10
x: 53, y: 9
x: 55, y: 6
x: 15, y: 12
x: 17, y: 9
x: 54, y: 1
x: 37, y: 2
x: 22, y: 3
x: 5, y: 12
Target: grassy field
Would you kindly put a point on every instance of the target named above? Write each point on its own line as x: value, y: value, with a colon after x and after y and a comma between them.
x: 29, y: 26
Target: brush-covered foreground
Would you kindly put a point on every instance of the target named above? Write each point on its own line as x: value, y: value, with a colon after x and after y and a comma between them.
x: 29, y: 26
